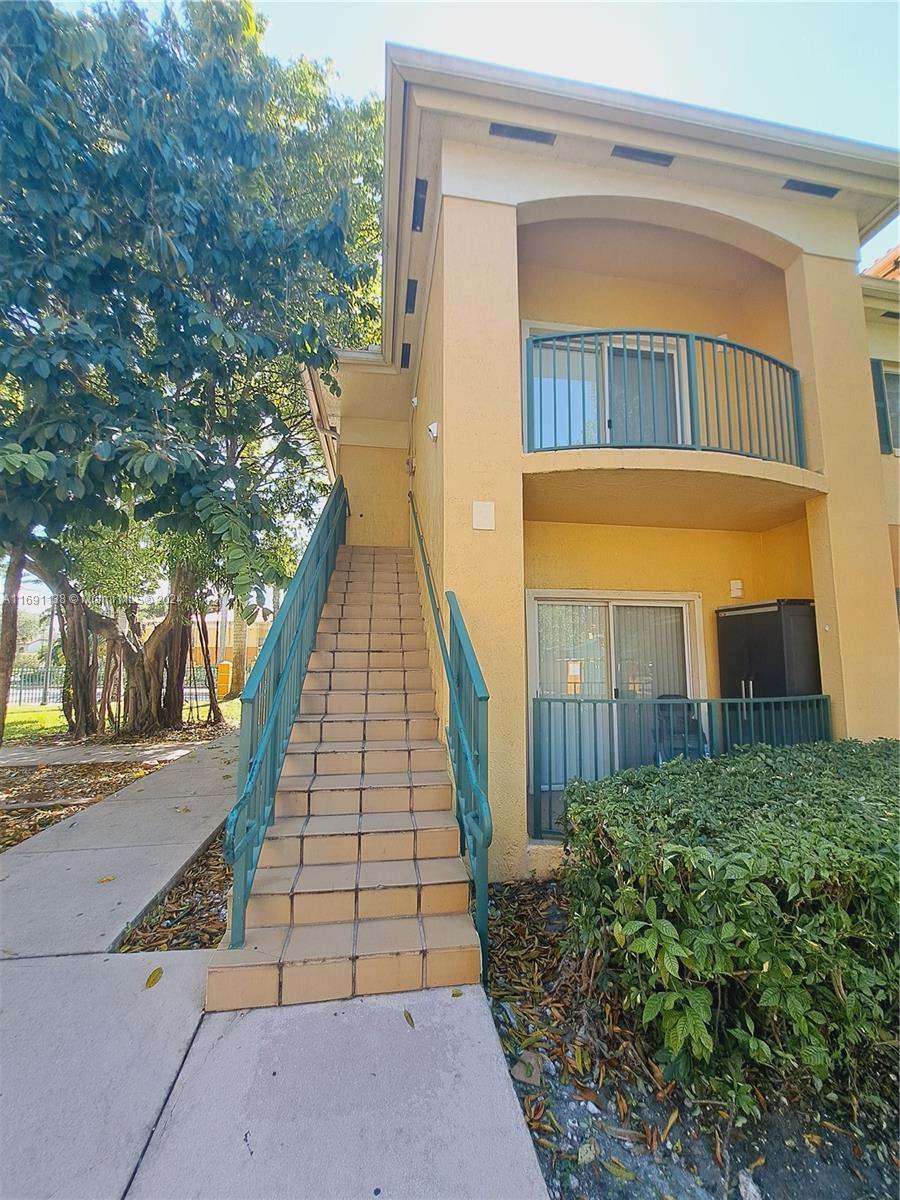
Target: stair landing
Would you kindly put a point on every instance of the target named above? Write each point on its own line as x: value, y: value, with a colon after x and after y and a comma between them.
x: 360, y: 888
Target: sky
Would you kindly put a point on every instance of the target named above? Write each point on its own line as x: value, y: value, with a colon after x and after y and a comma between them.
x: 827, y: 67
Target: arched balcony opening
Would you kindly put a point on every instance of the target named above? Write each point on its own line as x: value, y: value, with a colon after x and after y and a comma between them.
x: 638, y: 334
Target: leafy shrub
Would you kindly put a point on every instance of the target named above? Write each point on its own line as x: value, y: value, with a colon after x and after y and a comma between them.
x: 747, y: 906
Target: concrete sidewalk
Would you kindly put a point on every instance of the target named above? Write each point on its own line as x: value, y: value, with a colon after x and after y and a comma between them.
x: 343, y: 1100
x: 75, y: 887
x: 51, y: 756
x: 110, y: 1089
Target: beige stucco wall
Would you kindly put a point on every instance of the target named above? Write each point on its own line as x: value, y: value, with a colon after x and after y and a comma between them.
x: 482, y: 452
x: 376, y: 482
x: 428, y: 477
x: 651, y: 278
x: 611, y: 558
x: 798, y: 299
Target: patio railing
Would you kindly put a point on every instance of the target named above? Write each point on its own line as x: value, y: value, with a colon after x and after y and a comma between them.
x: 270, y: 699
x: 577, y: 738
x: 653, y: 388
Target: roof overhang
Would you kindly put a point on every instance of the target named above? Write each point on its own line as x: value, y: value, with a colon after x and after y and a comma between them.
x: 432, y: 96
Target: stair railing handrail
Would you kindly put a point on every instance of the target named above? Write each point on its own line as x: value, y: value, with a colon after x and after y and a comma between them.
x: 270, y: 700
x: 469, y: 764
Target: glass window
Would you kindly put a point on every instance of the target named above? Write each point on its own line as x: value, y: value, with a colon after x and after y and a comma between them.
x: 892, y: 399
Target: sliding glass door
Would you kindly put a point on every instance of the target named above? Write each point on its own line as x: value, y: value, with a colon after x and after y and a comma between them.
x: 603, y: 650
x: 650, y: 661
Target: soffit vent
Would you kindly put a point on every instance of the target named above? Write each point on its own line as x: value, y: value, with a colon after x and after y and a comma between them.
x: 810, y: 189
x: 418, y: 212
x: 519, y: 133
x: 655, y: 158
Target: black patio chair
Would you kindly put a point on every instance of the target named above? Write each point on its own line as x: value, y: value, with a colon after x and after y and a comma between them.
x: 678, y: 730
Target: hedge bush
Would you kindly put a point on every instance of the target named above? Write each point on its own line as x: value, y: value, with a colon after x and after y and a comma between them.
x: 747, y: 908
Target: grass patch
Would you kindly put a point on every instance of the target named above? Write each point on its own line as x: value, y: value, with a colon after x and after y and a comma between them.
x: 33, y: 722
x: 38, y: 723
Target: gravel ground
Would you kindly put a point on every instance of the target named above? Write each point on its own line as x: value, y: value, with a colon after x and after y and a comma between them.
x: 605, y: 1124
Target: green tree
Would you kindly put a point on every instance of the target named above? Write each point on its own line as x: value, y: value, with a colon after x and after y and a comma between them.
x: 173, y: 238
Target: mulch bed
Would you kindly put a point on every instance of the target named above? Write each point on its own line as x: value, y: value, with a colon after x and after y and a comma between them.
x: 191, y: 731
x: 34, y: 798
x: 192, y: 914
x: 603, y: 1120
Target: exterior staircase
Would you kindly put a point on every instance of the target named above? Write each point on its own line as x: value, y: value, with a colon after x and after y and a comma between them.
x: 359, y: 888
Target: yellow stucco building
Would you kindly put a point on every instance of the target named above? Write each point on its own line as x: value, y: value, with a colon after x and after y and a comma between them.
x: 631, y: 377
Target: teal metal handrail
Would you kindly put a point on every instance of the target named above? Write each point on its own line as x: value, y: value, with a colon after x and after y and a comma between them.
x: 270, y: 700
x: 467, y: 740
x: 661, y: 388
x: 577, y: 737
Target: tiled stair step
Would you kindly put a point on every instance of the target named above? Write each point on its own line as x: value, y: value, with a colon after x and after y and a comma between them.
x: 354, y: 837
x: 346, y: 679
x: 379, y: 581
x: 364, y: 703
x: 372, y: 606
x: 342, y: 758
x: 316, y: 895
x: 372, y: 590
x: 328, y: 640
x: 374, y: 727
x: 307, y: 963
x: 337, y: 795
x: 371, y: 625
x: 368, y: 660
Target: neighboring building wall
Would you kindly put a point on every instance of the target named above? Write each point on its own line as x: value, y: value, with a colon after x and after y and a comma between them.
x: 883, y: 339
x: 849, y: 546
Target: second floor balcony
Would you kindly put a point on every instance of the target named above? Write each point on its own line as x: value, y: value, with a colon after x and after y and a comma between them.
x: 633, y: 388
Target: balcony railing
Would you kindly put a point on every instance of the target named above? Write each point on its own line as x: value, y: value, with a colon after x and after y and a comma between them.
x: 651, y: 388
x: 577, y: 738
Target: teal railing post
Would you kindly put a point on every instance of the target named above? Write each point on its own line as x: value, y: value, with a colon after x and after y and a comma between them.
x: 530, y: 418
x: 799, y: 430
x: 467, y: 738
x: 693, y: 408
x: 536, y: 772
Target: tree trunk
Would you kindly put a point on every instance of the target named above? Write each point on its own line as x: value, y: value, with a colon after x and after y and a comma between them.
x: 9, y: 625
x: 239, y: 655
x: 77, y: 627
x: 181, y: 596
x: 214, y: 716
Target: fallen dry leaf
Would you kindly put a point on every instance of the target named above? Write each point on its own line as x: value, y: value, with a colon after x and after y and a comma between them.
x: 106, y: 879
x: 668, y: 1129
x: 154, y: 977
x: 408, y: 1018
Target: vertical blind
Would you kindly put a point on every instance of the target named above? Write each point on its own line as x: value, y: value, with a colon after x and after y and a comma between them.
x: 649, y: 651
